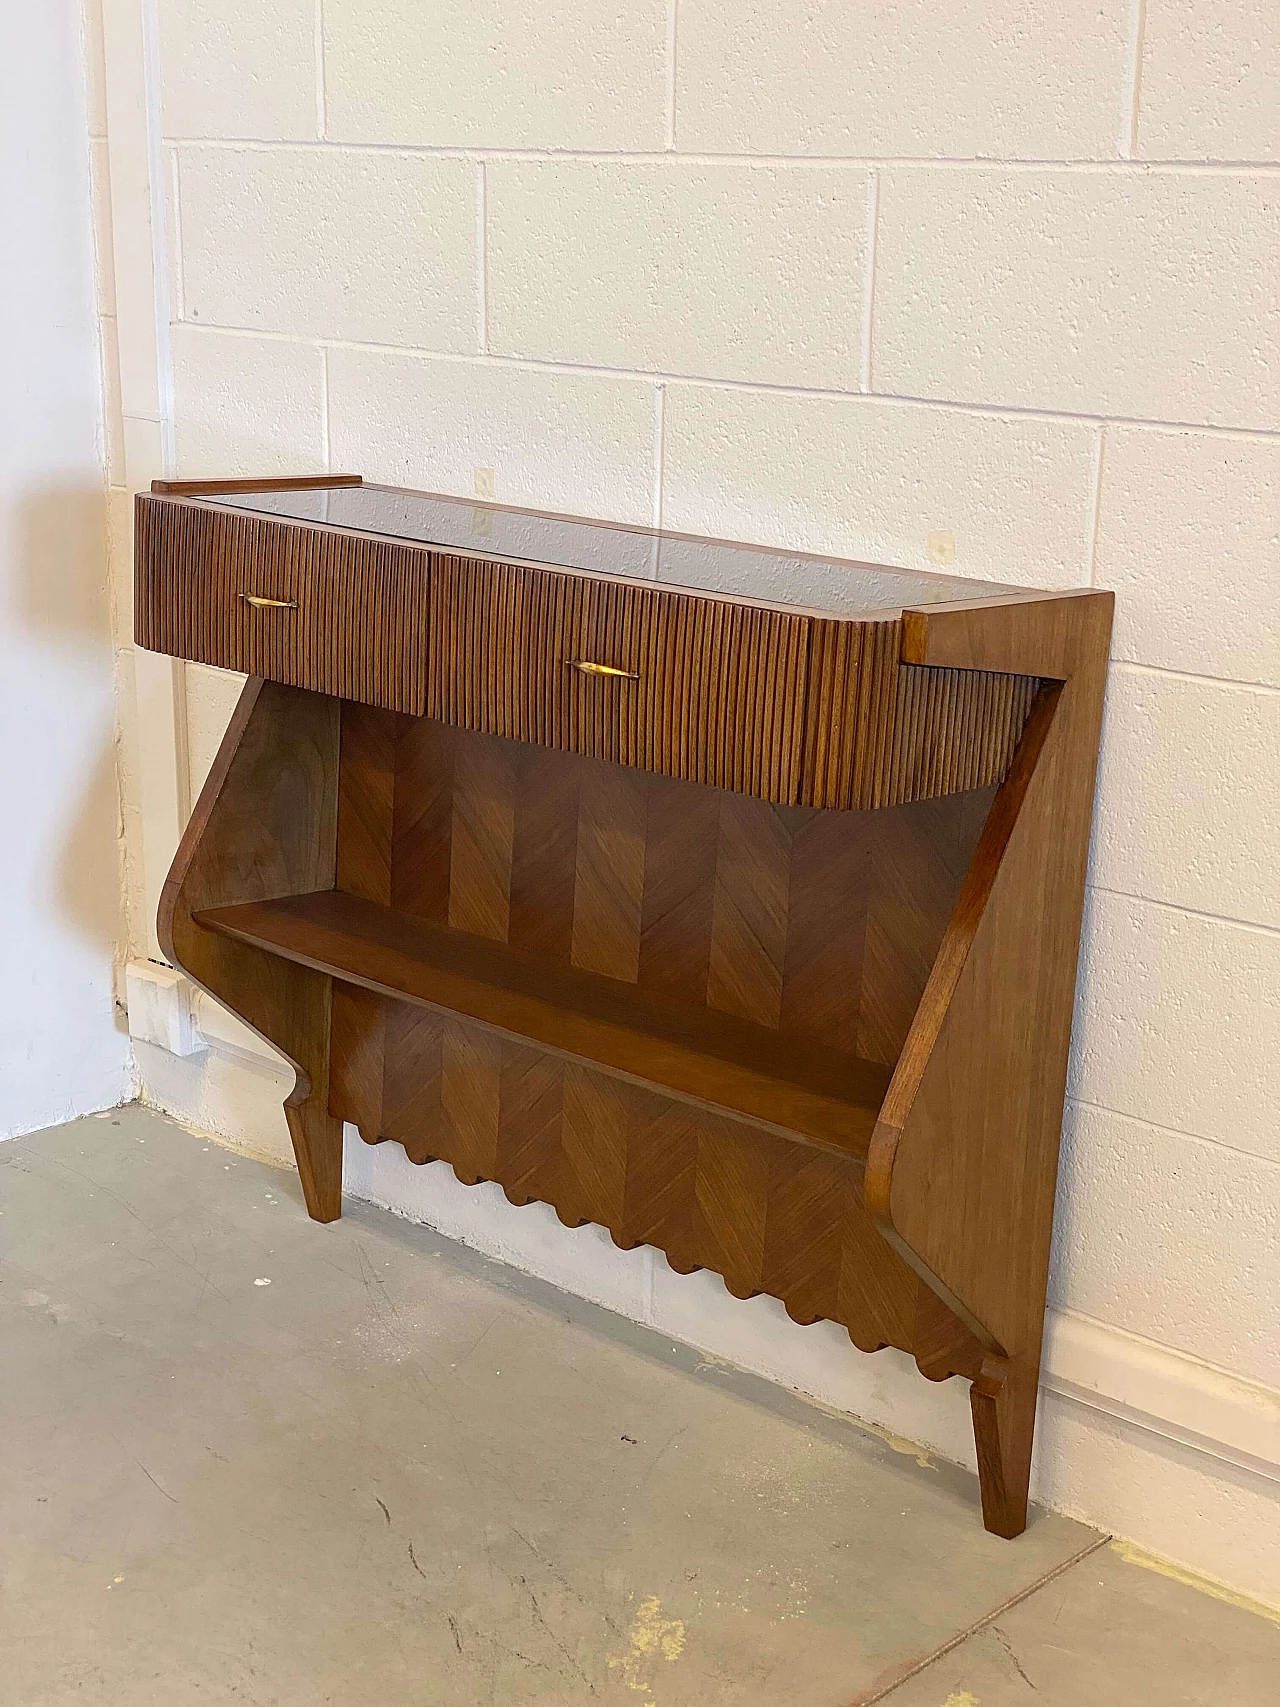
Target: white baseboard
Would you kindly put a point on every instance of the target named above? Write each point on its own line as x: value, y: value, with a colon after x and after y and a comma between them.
x: 223, y: 1031
x: 159, y: 1004
x: 1164, y: 1391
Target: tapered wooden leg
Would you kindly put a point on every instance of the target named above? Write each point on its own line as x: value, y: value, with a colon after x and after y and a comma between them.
x: 266, y: 825
x: 1004, y: 1416
x: 317, y: 1144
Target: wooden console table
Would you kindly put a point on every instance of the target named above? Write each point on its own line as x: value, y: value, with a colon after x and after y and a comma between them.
x: 729, y: 898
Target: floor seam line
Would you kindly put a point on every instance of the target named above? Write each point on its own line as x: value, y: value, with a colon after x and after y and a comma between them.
x: 962, y: 1636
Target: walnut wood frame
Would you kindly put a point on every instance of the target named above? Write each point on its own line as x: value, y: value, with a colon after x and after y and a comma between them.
x: 794, y: 1007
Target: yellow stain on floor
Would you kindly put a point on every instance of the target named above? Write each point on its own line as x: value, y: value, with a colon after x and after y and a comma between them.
x: 1150, y: 1562
x: 961, y: 1698
x: 652, y: 1637
x: 895, y: 1442
x: 908, y: 1449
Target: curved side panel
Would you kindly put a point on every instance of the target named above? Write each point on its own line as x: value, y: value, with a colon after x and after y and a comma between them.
x: 962, y: 1170
x: 926, y: 1044
x: 265, y: 826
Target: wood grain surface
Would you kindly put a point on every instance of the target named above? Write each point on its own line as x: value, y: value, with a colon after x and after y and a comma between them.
x: 765, y: 1212
x: 880, y: 731
x: 349, y: 616
x: 768, y: 1077
x: 822, y: 924
x: 266, y: 825
x: 792, y: 945
x: 762, y: 951
x: 963, y: 1168
x: 269, y: 483
x: 786, y: 705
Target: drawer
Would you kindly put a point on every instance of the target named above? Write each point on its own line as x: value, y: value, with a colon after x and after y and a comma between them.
x: 338, y: 614
x: 708, y: 690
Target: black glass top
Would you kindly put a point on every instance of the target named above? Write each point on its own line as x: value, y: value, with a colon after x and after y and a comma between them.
x: 604, y: 548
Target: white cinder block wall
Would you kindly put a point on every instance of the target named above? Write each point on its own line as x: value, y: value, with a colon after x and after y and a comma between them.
x: 855, y: 278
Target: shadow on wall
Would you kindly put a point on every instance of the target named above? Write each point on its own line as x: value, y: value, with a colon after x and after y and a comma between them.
x: 64, y: 621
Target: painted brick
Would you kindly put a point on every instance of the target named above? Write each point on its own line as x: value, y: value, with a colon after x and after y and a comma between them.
x: 246, y: 405
x: 173, y: 236
x: 239, y: 69
x: 372, y: 248
x: 726, y: 272
x: 1210, y: 85
x: 112, y: 417
x: 1188, y: 536
x: 211, y: 696
x: 95, y: 69
x: 873, y: 480
x: 104, y: 274
x: 1030, y: 80
x: 1092, y: 292
x: 522, y: 75
x: 1176, y: 1021
x: 1188, y: 808
x: 1156, y: 1232
x: 577, y: 442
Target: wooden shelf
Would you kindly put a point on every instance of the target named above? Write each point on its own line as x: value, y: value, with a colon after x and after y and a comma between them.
x: 695, y: 1053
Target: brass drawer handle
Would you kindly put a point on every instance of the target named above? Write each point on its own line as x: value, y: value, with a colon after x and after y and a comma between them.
x: 260, y: 603
x: 585, y: 667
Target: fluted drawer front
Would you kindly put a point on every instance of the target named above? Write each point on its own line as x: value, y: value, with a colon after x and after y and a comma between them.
x: 879, y: 732
x: 709, y: 691
x: 791, y: 707
x: 339, y: 614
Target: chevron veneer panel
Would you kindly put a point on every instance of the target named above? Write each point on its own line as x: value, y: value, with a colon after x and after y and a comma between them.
x: 819, y: 925
x: 822, y: 925
x: 767, y: 1215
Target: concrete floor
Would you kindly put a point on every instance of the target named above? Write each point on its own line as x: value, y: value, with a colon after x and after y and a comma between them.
x: 251, y: 1460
